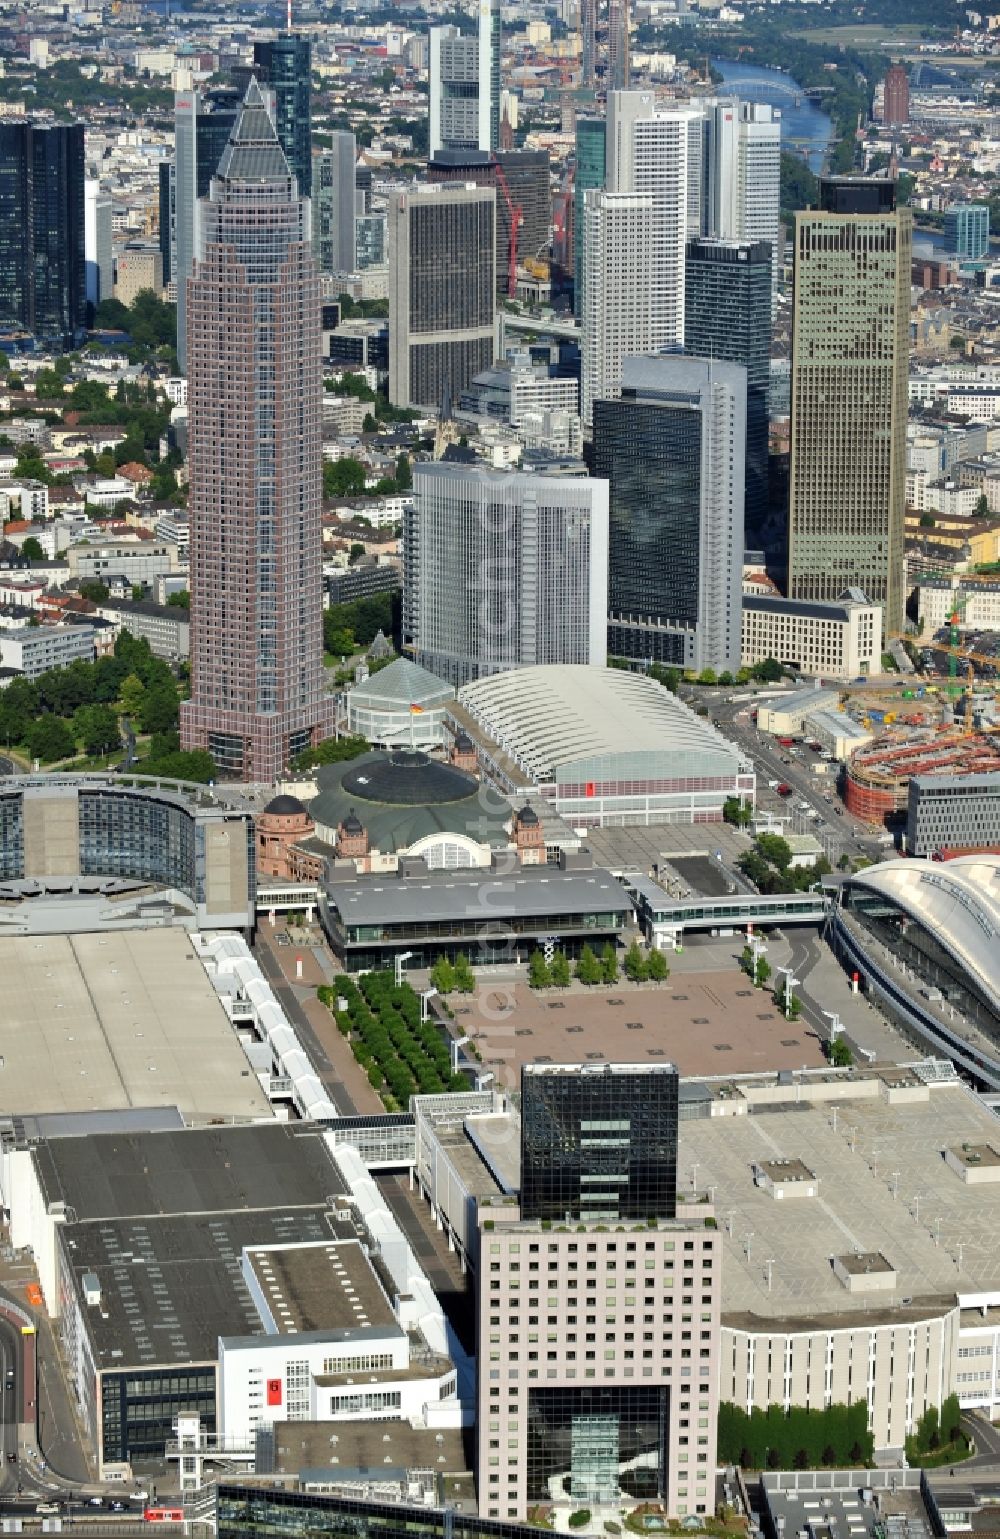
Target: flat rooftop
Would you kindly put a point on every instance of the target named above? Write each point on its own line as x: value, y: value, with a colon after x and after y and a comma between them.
x: 442, y: 896
x: 884, y: 1189
x: 704, y: 1022
x: 107, y: 1022
x: 320, y: 1287
x: 195, y: 1171
x: 374, y: 1446
x: 171, y: 1286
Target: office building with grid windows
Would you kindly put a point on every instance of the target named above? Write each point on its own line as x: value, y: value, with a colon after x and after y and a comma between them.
x: 43, y: 271
x: 598, y: 1310
x: 850, y: 363
x: 953, y: 814
x: 504, y: 571
x: 258, y: 688
x: 442, y: 291
x: 617, y: 304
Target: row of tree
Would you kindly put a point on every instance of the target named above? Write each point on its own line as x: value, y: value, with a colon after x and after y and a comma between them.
x: 769, y: 866
x: 776, y: 1439
x: 591, y: 969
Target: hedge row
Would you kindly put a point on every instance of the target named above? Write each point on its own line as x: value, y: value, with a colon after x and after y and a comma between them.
x: 795, y: 1439
x: 401, y: 1055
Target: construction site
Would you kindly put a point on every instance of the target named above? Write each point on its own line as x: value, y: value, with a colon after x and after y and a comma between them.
x: 877, y: 778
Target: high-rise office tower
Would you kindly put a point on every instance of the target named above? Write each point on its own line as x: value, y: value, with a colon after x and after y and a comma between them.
x: 334, y: 205
x: 258, y: 690
x: 658, y: 152
x: 442, y: 291
x: 598, y: 1144
x: 588, y: 42
x: 619, y: 75
x: 619, y: 1286
x: 167, y: 219
x: 617, y: 317
x: 526, y: 174
x: 967, y: 230
x: 672, y: 449
x: 43, y: 271
x: 369, y: 241
x: 465, y: 84
x: 285, y: 63
x: 850, y: 361
x: 591, y: 159
x: 728, y: 316
x: 741, y: 188
x: 504, y: 571
x: 202, y: 125
x: 896, y: 99
x: 97, y: 242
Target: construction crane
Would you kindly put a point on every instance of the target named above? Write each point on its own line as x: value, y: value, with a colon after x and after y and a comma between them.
x: 955, y: 650
x: 516, y: 214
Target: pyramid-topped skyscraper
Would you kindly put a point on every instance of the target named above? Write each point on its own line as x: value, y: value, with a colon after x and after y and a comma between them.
x: 258, y: 695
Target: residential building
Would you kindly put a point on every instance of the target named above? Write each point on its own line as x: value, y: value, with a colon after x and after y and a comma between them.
x: 604, y: 1424
x: 967, y: 230
x: 673, y: 451
x: 617, y: 316
x: 137, y: 269
x: 333, y: 205
x: 43, y: 263
x: 258, y: 689
x: 285, y: 63
x: 841, y: 640
x: 442, y: 291
x: 727, y: 315
x: 850, y: 356
x: 202, y: 125
x: 975, y: 602
x: 97, y: 242
x: 465, y: 84
x: 503, y: 571
x: 953, y: 814
x: 741, y: 189
x: 657, y: 152
x: 896, y: 96
x: 591, y: 159
x: 34, y: 649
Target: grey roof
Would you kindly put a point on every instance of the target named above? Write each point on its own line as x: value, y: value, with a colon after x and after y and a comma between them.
x: 253, y: 153
x: 452, y: 895
x: 559, y: 721
x: 403, y: 683
x: 400, y: 805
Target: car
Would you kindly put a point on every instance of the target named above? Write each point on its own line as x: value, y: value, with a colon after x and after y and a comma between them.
x: 12, y: 1458
x: 117, y: 1506
x: 95, y: 1501
x: 138, y: 1496
x: 44, y: 1508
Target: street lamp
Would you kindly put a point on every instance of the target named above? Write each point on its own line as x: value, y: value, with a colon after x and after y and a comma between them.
x: 836, y: 1025
x: 456, y: 1044
x: 404, y: 956
x: 425, y: 999
x: 758, y: 949
x: 790, y: 982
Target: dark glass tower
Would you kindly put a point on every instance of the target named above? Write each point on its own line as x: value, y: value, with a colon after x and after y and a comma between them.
x: 43, y: 264
x: 727, y: 315
x: 285, y: 63
x: 598, y: 1142
x: 591, y: 166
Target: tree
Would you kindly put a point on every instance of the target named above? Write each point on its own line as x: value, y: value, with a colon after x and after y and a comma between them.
x: 31, y: 550
x: 559, y: 971
x: 768, y: 671
x: 465, y: 978
x: 609, y: 964
x: 840, y: 1054
x: 588, y: 968
x: 343, y: 478
x: 404, y: 477
x: 159, y: 708
x: 734, y: 811
x: 657, y: 970
x: 775, y: 850
x: 443, y: 975
x: 708, y: 676
x: 95, y: 591
x: 49, y: 738
x: 538, y: 970
x: 981, y: 509
x: 181, y: 600
x: 356, y: 552
x: 634, y: 965
x: 132, y: 695
x: 194, y: 765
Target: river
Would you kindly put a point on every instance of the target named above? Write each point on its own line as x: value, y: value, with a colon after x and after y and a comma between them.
x: 804, y: 128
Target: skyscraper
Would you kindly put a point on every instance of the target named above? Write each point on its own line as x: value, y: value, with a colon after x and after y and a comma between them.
x: 600, y: 1413
x: 896, y: 99
x: 850, y: 361
x: 334, y: 196
x: 728, y: 316
x: 741, y: 187
x: 619, y: 74
x: 285, y: 62
x: 967, y: 230
x: 504, y: 571
x: 464, y: 78
x: 588, y: 42
x: 97, y: 242
x: 202, y: 125
x: 591, y: 159
x: 526, y: 173
x: 167, y: 219
x: 598, y: 1143
x: 43, y: 273
x: 258, y: 690
x: 672, y: 449
x: 658, y: 152
x: 442, y: 291
x: 617, y: 314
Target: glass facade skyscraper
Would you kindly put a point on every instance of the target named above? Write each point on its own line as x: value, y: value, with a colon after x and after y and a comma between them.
x: 598, y: 1142
x: 285, y: 63
x: 258, y: 688
x: 43, y: 264
x: 334, y: 205
x: 591, y: 160
x: 203, y: 122
x: 727, y: 315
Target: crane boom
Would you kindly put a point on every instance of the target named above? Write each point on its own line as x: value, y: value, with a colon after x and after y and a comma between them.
x: 516, y: 214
